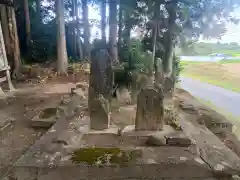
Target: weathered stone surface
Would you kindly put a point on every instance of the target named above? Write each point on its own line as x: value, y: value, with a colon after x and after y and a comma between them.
x: 156, y: 140
x: 151, y: 138
x: 168, y: 87
x: 154, y: 163
x: 83, y: 85
x: 159, y: 75
x: 79, y: 92
x: 150, y: 110
x: 101, y: 75
x: 46, y: 118
x: 212, y: 150
x: 123, y: 96
x: 99, y: 113
x: 178, y: 139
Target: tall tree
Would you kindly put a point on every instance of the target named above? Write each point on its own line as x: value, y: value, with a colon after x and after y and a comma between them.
x: 62, y: 59
x: 169, y: 39
x: 74, y: 28
x: 38, y: 10
x: 155, y: 29
x: 103, y: 19
x: 16, y: 62
x: 5, y: 29
x: 86, y: 31
x: 79, y: 41
x: 27, y: 23
x: 120, y: 24
x: 113, y: 30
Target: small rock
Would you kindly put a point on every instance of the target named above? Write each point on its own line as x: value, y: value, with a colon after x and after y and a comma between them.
x: 82, y: 85
x: 79, y: 92
x: 178, y: 139
x: 156, y: 140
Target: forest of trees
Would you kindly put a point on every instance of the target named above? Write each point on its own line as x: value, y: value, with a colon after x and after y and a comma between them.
x: 60, y: 30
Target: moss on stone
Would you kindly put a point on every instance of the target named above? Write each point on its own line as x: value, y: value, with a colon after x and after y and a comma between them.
x: 104, y: 156
x: 47, y: 113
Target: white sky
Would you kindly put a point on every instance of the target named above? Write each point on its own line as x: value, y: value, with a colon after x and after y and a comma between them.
x: 232, y: 34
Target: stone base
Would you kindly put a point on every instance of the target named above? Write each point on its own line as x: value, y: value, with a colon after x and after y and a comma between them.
x: 168, y: 136
x: 154, y: 163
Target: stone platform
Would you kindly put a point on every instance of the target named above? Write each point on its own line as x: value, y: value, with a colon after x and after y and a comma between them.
x: 51, y: 156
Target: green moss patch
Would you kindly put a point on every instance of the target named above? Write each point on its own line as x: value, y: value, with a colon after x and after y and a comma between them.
x: 47, y: 113
x: 104, y: 156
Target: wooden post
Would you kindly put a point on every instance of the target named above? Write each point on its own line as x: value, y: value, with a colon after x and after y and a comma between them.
x: 3, y: 57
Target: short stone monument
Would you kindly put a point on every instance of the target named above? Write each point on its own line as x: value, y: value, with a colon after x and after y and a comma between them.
x: 150, y: 110
x: 168, y: 87
x: 99, y: 113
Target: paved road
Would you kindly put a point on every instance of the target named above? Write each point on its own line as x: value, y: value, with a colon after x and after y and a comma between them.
x: 219, y: 97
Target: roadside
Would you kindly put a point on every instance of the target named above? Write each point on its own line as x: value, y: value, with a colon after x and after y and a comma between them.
x: 224, y: 74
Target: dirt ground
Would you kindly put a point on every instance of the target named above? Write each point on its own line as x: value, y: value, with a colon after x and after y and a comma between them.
x: 16, y: 134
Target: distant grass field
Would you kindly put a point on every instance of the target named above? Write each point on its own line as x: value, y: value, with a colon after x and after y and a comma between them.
x: 225, y: 73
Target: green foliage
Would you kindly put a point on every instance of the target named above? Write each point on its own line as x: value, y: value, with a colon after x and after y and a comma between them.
x: 138, y: 59
x: 177, y: 68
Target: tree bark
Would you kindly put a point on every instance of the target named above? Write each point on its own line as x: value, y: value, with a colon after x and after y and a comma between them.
x: 27, y: 23
x: 155, y: 35
x: 14, y: 42
x: 86, y: 33
x: 103, y: 20
x: 113, y: 30
x: 169, y: 50
x: 38, y: 11
x: 120, y: 24
x: 4, y: 20
x: 62, y: 59
x: 79, y: 41
x: 74, y: 15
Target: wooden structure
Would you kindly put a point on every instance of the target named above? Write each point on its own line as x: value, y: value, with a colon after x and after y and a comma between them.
x: 4, y: 67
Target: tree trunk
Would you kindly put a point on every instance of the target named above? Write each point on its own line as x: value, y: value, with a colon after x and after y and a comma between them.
x: 86, y: 33
x: 103, y: 20
x: 113, y: 30
x: 169, y: 50
x: 14, y: 42
x: 120, y: 24
x: 62, y: 59
x: 154, y: 59
x: 38, y: 11
x: 74, y: 14
x: 79, y: 41
x: 4, y: 20
x: 155, y: 35
x: 27, y: 23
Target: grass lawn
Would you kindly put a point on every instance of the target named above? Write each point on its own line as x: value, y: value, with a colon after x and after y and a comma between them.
x: 225, y: 73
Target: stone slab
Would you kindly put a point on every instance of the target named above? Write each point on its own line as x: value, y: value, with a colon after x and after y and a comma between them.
x: 130, y: 131
x: 164, y: 162
x: 45, y: 122
x: 178, y: 139
x: 49, y: 158
x: 212, y: 150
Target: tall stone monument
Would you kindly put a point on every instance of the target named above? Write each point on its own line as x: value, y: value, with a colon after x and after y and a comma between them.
x: 100, y: 86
